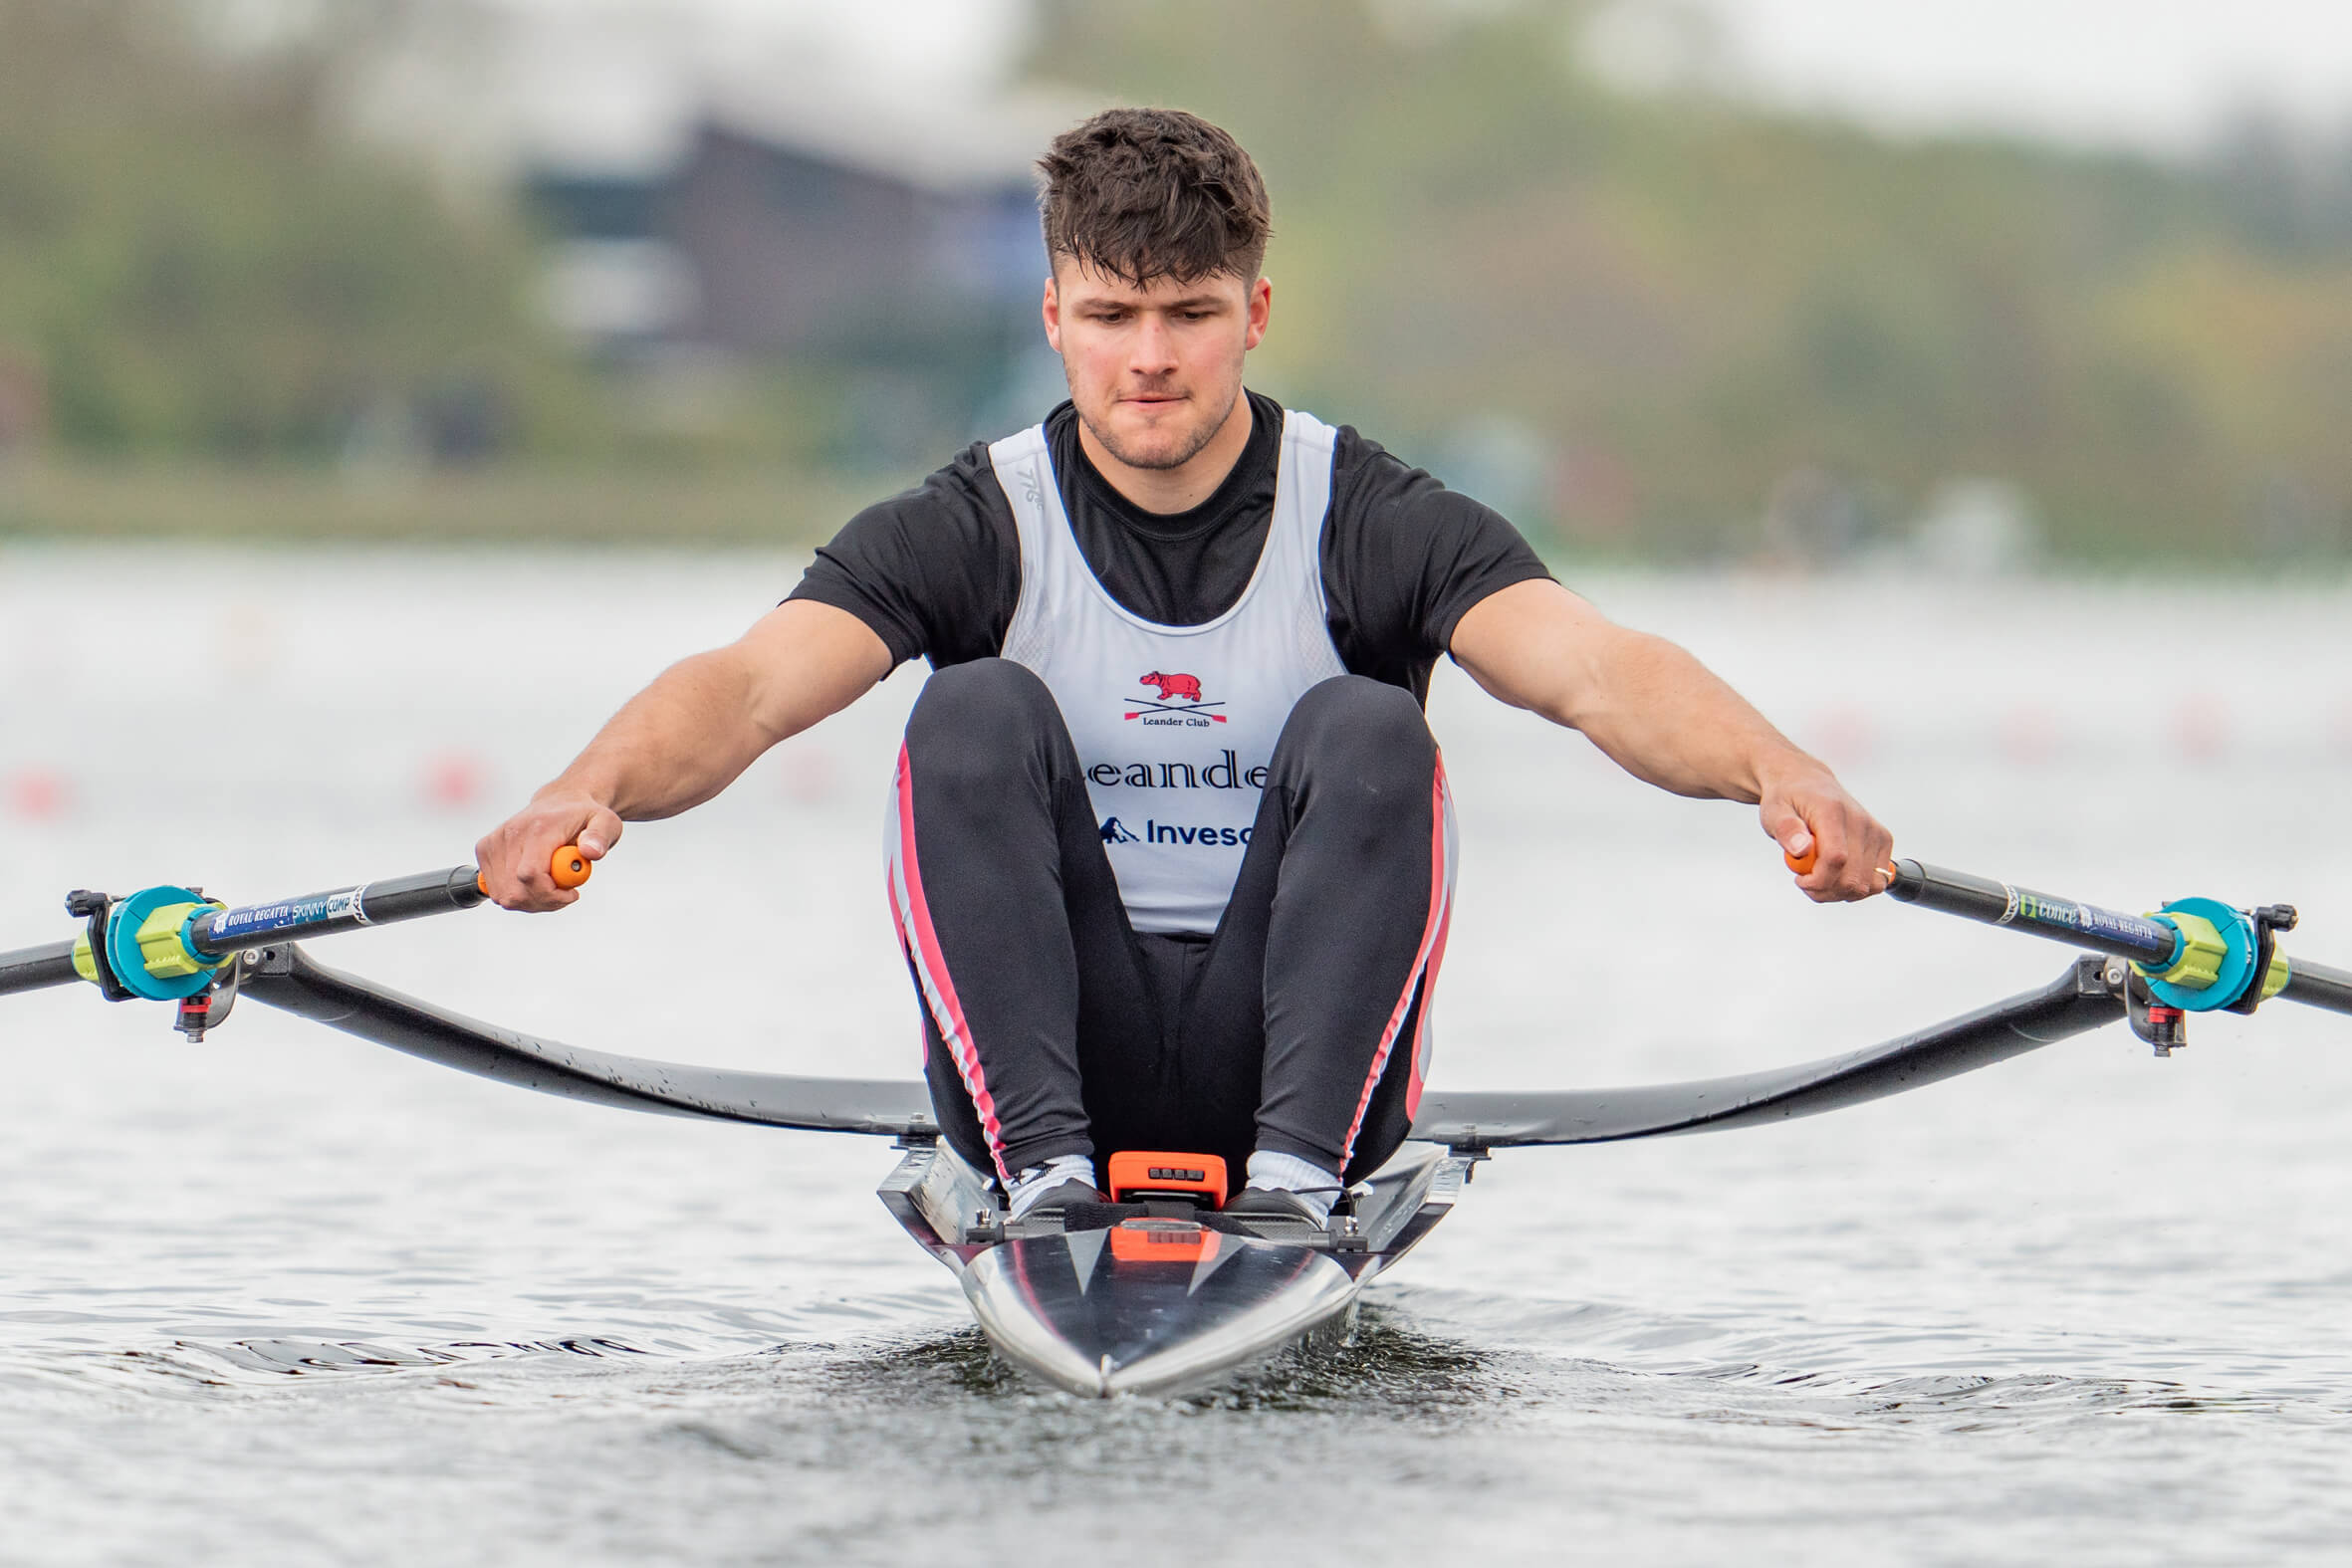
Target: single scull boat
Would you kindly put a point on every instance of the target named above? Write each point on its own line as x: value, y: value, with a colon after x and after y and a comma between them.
x: 1163, y: 1292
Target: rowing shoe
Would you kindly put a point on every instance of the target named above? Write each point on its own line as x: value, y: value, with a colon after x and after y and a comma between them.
x: 1162, y: 1289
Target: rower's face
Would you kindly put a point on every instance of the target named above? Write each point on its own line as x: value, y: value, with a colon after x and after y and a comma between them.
x: 1154, y: 370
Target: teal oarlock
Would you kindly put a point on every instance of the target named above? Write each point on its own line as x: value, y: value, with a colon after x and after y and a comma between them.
x: 178, y: 970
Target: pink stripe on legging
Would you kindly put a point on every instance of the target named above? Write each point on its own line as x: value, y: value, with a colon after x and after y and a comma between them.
x: 921, y: 942
x: 1423, y: 975
x: 1437, y: 957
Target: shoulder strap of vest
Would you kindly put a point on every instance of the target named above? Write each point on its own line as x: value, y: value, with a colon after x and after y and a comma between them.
x: 1304, y: 481
x: 1024, y: 466
x: 1299, y: 425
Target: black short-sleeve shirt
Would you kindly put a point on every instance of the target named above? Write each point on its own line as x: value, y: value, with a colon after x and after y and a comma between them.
x: 936, y: 570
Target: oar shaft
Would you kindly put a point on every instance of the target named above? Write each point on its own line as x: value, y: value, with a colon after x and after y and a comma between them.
x: 2318, y: 985
x: 228, y: 931
x: 222, y: 932
x: 1978, y: 898
x: 37, y: 968
x: 216, y: 934
x: 2134, y: 937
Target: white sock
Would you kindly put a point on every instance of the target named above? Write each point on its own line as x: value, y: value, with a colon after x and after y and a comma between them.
x: 1304, y: 1180
x: 1030, y: 1185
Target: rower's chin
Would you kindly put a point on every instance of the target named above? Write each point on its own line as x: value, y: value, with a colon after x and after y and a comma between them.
x: 1154, y: 435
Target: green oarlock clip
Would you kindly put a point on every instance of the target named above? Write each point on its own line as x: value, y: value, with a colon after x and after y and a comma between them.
x: 2202, y: 951
x: 83, y: 964
x: 163, y: 942
x: 2280, y: 973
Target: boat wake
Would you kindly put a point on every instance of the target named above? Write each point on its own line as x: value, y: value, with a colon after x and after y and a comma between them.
x: 196, y: 1370
x: 1382, y: 1364
x: 1611, y: 1358
x: 1455, y: 1405
x: 1423, y: 1356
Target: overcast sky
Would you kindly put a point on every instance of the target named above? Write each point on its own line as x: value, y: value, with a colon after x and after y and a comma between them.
x: 2151, y: 72
x: 949, y: 42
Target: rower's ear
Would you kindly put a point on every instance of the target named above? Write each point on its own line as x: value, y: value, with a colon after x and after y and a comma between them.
x: 1050, y: 311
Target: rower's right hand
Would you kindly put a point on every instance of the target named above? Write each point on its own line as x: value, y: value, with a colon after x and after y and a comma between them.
x: 514, y: 857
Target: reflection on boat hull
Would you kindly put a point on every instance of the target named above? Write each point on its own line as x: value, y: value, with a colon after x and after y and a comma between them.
x: 1074, y: 1311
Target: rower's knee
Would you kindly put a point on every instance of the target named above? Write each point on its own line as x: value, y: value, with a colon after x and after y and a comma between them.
x: 980, y: 721
x: 1363, y: 737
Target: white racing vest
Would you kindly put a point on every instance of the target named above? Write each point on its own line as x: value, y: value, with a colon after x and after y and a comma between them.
x: 1175, y: 725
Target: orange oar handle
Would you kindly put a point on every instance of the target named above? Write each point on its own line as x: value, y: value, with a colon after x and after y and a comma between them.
x: 569, y: 867
x: 1803, y: 864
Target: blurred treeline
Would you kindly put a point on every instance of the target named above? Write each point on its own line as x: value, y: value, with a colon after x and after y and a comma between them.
x: 1710, y: 315
x: 191, y: 261
x: 1666, y: 325
x: 220, y: 313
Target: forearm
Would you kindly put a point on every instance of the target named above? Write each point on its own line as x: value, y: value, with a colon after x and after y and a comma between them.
x: 706, y: 719
x: 1667, y: 719
x: 674, y: 745
x: 1657, y: 712
x: 684, y: 739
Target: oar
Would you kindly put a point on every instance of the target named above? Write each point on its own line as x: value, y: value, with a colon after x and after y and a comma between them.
x: 2192, y: 955
x: 166, y: 943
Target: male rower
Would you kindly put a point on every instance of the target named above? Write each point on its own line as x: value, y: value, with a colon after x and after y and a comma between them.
x: 1170, y: 854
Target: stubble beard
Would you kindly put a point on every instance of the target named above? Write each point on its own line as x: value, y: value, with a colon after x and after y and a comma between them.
x: 1202, y: 434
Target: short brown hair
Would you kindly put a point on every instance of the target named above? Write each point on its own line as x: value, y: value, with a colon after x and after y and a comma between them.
x: 1139, y: 194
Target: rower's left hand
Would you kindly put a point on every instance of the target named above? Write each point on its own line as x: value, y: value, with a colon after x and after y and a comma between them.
x: 1809, y: 811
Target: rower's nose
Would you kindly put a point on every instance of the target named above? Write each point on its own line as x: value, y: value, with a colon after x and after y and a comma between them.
x: 1153, y: 355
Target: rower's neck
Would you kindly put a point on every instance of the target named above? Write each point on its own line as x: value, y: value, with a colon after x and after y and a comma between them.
x: 1164, y: 492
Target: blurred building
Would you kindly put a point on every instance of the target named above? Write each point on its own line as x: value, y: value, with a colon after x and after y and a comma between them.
x: 897, y: 262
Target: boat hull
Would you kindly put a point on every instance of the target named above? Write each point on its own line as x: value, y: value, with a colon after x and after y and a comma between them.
x: 1161, y: 1304
x: 1076, y: 1313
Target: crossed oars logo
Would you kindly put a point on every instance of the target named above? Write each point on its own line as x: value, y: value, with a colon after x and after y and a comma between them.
x: 1187, y: 687
x: 1144, y: 704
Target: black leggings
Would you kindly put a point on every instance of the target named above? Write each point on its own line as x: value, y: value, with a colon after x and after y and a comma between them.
x: 1055, y: 1029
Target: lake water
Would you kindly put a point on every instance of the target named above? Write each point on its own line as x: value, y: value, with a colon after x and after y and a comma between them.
x: 286, y: 1297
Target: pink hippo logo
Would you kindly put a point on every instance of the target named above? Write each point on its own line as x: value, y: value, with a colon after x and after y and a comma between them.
x: 1172, y: 687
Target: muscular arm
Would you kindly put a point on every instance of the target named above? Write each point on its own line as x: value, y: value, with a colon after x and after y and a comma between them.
x: 683, y: 739
x: 1666, y: 718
